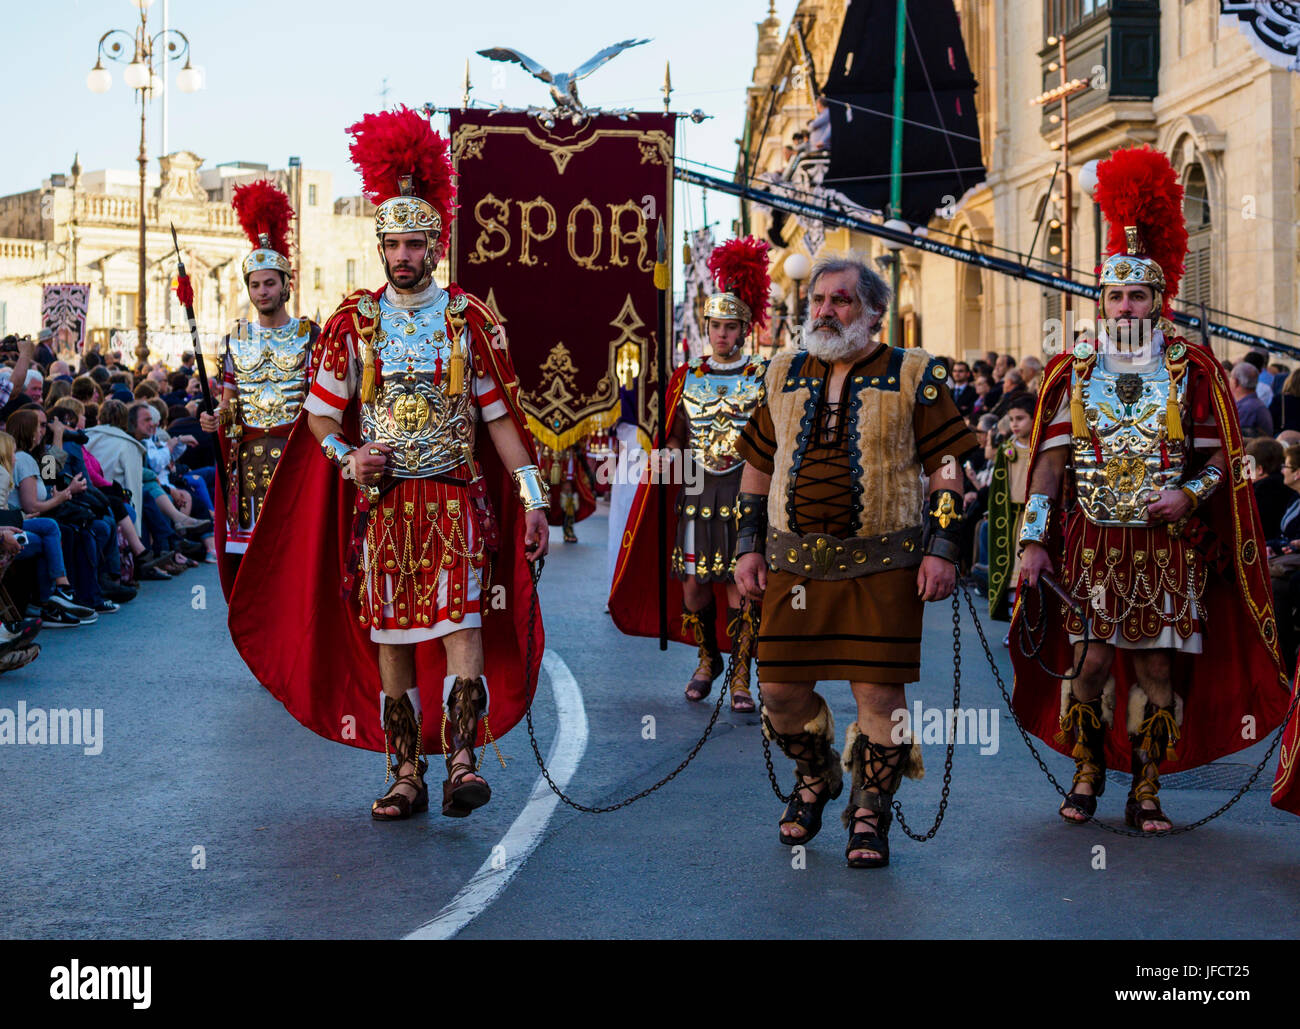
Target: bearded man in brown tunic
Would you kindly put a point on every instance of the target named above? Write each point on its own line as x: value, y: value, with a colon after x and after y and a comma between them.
x: 843, y: 542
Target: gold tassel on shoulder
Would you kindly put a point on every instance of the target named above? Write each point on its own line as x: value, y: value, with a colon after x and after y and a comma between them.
x: 367, y: 372
x: 1078, y: 420
x: 456, y: 369
x: 1173, y: 417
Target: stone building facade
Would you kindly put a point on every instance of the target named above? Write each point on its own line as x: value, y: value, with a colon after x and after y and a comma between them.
x: 84, y: 227
x: 1175, y: 75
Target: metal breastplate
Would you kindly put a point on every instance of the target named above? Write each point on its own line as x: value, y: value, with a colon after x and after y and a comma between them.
x: 428, y: 430
x: 718, y: 404
x: 270, y: 371
x: 1126, y: 412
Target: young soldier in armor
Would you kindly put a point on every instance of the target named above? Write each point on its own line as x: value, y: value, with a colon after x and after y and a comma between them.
x: 411, y: 511
x: 843, y: 545
x: 265, y: 364
x: 711, y: 400
x: 1137, y: 500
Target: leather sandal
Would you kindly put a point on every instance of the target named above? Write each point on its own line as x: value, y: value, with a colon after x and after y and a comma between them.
x: 701, y: 626
x: 1086, y: 718
x: 402, y: 744
x: 740, y: 628
x: 467, y: 703
x: 1151, y: 744
x: 877, y: 771
x: 808, y: 816
x: 742, y: 701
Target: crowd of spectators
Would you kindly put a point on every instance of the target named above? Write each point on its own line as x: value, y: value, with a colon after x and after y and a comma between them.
x: 106, y: 482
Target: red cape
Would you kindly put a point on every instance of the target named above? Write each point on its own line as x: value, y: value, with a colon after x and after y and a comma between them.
x: 1286, y: 784
x: 1239, y: 674
x: 228, y: 564
x: 634, y: 596
x: 586, y: 498
x: 303, y: 639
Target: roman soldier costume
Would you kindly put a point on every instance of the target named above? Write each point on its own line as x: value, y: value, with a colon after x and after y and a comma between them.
x: 843, y: 529
x: 269, y: 368
x: 437, y: 545
x: 1198, y: 588
x: 711, y: 401
x: 572, y: 499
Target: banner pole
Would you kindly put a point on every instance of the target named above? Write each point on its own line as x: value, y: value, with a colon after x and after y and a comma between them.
x: 662, y: 283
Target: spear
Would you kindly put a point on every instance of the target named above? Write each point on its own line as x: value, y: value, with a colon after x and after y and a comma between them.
x: 662, y: 282
x: 185, y: 294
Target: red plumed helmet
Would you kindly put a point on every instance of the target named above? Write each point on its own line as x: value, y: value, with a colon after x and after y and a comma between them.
x: 1138, y: 189
x: 391, y: 146
x: 264, y: 210
x: 739, y: 267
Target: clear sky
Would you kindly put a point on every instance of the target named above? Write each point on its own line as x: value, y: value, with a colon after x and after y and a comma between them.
x: 285, y: 76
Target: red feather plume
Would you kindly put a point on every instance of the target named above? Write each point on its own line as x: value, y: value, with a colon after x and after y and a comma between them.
x: 1138, y: 186
x: 739, y: 266
x: 264, y: 207
x: 391, y: 144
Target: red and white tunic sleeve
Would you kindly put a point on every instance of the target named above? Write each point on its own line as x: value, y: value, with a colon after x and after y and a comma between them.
x: 489, y: 398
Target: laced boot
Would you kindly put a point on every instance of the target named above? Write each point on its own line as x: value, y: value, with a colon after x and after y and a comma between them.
x: 465, y: 702
x: 1088, y: 720
x: 403, y: 744
x: 875, y: 772
x: 702, y: 627
x: 813, y: 758
x: 569, y: 535
x: 740, y: 628
x: 1152, y: 735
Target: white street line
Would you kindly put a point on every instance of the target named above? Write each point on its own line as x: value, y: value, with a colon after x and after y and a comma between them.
x: 522, y: 837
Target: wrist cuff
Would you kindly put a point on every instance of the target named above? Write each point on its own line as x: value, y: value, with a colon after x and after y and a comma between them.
x: 1038, y: 516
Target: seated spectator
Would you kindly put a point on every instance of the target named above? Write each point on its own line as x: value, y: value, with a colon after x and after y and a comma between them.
x: 1013, y: 388
x: 1031, y: 370
x: 25, y: 492
x: 1252, y: 412
x: 1272, y: 495
x: 985, y: 398
x: 1289, y: 524
x: 1258, y: 360
x: 963, y: 389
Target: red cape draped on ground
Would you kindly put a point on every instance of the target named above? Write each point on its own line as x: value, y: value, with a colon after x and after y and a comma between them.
x: 1239, y: 673
x: 634, y: 596
x: 303, y: 640
x: 1286, y: 784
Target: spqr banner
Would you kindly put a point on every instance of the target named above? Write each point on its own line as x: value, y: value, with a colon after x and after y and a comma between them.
x: 556, y: 233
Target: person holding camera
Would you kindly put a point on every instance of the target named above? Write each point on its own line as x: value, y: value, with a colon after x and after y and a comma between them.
x: 42, y: 537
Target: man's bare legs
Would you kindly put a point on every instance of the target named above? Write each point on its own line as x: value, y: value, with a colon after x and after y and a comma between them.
x: 790, y: 706
x: 1154, y: 671
x: 397, y: 675
x: 465, y: 660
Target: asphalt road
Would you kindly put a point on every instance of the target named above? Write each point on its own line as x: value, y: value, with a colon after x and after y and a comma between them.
x: 210, y: 813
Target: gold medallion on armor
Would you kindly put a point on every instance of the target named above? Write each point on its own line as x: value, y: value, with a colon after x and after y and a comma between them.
x: 410, y: 411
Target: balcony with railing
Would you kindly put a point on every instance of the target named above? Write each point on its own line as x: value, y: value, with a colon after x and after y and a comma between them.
x: 1113, y: 44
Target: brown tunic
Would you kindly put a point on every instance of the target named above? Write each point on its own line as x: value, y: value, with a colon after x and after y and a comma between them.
x: 864, y: 629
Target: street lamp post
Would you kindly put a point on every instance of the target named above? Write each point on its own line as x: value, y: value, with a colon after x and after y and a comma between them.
x: 797, y: 266
x: 141, y: 76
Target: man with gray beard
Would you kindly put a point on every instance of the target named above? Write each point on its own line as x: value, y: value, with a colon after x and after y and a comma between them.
x: 843, y: 543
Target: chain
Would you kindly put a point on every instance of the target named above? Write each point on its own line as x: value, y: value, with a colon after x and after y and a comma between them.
x: 536, y: 574
x: 1117, y: 830
x: 1030, y: 650
x: 947, y: 763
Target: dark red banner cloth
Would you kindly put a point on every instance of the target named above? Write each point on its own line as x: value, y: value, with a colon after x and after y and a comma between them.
x: 556, y: 233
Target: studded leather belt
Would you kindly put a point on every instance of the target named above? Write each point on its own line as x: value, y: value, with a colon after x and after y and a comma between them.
x: 821, y: 556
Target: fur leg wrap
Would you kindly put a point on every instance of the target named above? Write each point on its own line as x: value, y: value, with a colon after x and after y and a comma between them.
x: 875, y: 773
x: 811, y: 750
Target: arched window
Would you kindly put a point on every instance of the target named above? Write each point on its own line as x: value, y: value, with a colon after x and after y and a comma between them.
x: 1196, y: 285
